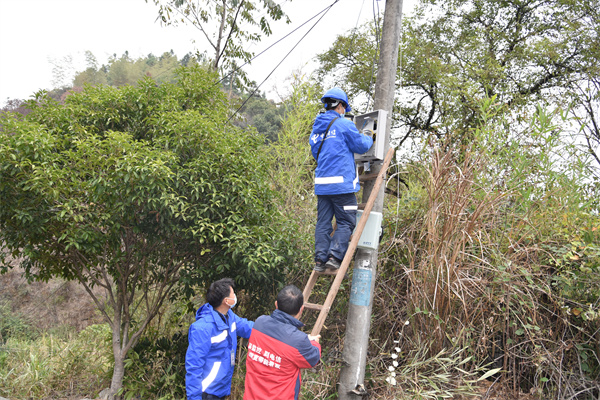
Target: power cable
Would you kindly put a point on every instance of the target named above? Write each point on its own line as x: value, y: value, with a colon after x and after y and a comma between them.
x: 359, y: 12
x: 325, y: 10
x: 354, y: 31
x: 268, y: 48
x: 283, y: 59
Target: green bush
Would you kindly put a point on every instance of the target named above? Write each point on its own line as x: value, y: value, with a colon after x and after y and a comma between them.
x: 14, y: 325
x: 155, y: 369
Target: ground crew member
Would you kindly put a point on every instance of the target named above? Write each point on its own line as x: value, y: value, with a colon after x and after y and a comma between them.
x: 210, y: 356
x: 278, y: 350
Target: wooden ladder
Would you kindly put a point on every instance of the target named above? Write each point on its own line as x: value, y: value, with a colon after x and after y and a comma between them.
x: 341, y: 272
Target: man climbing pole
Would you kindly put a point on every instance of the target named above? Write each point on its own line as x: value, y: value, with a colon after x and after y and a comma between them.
x: 333, y: 142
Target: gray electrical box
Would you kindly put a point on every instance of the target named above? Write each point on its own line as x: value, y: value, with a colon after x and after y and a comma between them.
x: 369, y: 239
x: 374, y: 125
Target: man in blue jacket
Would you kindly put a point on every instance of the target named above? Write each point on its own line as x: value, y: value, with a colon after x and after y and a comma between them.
x: 210, y: 356
x: 333, y: 142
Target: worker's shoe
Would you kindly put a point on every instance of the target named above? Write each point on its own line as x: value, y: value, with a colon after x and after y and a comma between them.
x: 333, y: 263
x: 320, y: 266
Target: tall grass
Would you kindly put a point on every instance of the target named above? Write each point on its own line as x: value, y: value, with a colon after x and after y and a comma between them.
x: 447, y: 249
x: 53, y: 367
x: 496, y: 255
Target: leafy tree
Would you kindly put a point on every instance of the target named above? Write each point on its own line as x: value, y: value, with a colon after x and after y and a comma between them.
x: 587, y: 115
x: 121, y: 70
x: 164, y: 69
x: 457, y: 52
x: 264, y: 115
x: 351, y: 63
x: 127, y: 71
x: 220, y: 23
x: 15, y: 105
x: 92, y: 74
x: 143, y: 191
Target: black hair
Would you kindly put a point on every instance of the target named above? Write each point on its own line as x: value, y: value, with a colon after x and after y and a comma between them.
x: 331, y: 104
x: 218, y: 291
x: 290, y: 299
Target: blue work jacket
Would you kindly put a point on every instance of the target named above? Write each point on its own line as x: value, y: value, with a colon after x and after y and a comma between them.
x: 336, y: 171
x: 210, y: 356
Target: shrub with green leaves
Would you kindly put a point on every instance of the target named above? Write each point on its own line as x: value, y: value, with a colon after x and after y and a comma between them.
x: 14, y: 325
x: 144, y: 191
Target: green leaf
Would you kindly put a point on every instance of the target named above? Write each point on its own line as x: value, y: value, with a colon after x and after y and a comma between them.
x: 489, y: 373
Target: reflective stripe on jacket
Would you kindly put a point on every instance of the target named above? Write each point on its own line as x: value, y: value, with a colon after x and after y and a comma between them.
x: 210, y: 357
x: 336, y: 171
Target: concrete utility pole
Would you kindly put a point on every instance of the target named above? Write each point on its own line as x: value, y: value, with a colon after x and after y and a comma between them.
x: 365, y: 265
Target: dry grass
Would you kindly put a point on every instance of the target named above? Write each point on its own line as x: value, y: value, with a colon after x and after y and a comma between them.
x: 465, y: 269
x: 48, y: 305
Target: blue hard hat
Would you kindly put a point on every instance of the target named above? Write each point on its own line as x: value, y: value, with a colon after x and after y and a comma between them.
x: 336, y: 94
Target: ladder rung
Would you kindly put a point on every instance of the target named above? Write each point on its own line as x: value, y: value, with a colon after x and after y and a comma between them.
x: 367, y: 177
x: 341, y: 273
x: 328, y: 271
x: 313, y: 306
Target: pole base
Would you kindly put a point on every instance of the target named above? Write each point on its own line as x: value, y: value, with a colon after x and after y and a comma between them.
x: 359, y: 390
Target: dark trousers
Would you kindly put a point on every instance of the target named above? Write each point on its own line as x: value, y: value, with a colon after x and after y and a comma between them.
x: 343, y: 207
x: 206, y: 396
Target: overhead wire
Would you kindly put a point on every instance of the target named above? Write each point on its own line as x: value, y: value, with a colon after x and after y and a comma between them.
x: 277, y: 42
x: 355, y: 27
x: 359, y: 13
x: 353, y: 37
x: 324, y: 12
x: 272, y: 45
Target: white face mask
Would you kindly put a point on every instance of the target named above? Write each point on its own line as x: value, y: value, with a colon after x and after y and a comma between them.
x: 234, y: 301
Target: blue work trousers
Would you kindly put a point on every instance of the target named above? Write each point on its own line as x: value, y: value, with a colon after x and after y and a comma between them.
x: 206, y: 396
x: 343, y: 207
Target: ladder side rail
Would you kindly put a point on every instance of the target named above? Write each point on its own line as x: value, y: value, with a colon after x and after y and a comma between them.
x: 310, y: 285
x: 352, y: 247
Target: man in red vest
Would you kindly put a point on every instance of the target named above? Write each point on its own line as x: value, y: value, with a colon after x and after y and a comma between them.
x: 278, y: 350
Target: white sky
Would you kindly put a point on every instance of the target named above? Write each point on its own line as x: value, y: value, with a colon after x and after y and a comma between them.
x: 35, y: 32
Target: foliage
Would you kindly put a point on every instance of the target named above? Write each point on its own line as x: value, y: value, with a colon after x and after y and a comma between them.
x: 264, y: 115
x: 221, y: 22
x: 423, y: 375
x: 139, y: 190
x: 497, y: 246
x: 14, y: 325
x: 124, y: 70
x: 55, y: 367
x: 351, y: 63
x: 455, y: 53
x: 156, y: 369
x: 292, y: 168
